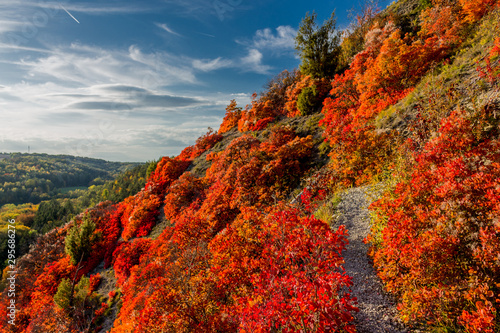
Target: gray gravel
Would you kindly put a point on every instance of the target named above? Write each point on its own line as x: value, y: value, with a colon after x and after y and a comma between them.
x: 377, y: 310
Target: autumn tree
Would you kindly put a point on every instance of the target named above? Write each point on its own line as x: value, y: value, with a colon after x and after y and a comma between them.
x: 318, y: 46
x: 233, y: 114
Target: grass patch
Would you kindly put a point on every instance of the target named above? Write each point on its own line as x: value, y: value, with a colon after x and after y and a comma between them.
x: 328, y: 211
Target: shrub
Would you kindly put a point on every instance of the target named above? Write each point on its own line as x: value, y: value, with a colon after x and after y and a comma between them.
x: 438, y: 232
x: 308, y: 101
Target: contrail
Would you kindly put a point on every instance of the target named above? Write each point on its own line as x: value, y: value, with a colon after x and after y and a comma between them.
x: 204, y: 34
x: 70, y: 14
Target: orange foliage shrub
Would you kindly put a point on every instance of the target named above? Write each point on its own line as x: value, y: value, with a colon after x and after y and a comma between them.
x: 259, y: 109
x: 261, y: 124
x: 271, y: 103
x: 476, y: 9
x: 167, y: 171
x: 233, y: 115
x: 127, y: 255
x: 381, y: 75
x: 94, y: 282
x: 178, y: 266
x: 202, y: 144
x: 254, y: 173
x: 47, y: 250
x: 491, y: 72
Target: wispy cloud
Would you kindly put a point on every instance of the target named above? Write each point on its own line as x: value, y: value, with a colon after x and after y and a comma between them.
x: 10, y: 47
x: 166, y: 28
x: 211, y: 65
x: 208, y: 35
x: 92, y: 9
x: 72, y: 94
x: 83, y: 65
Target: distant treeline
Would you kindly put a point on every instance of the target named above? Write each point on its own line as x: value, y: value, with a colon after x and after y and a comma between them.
x: 33, y: 220
x: 37, y: 177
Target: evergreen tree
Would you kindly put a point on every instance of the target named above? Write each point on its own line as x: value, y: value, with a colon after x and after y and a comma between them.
x: 64, y: 294
x: 80, y: 239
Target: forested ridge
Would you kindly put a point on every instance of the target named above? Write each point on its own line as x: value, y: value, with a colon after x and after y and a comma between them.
x: 235, y: 234
x: 37, y: 177
x: 72, y: 184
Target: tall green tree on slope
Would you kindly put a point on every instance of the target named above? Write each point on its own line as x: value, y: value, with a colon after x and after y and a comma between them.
x: 318, y: 46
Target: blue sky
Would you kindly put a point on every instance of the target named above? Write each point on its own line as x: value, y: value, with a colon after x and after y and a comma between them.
x: 137, y: 80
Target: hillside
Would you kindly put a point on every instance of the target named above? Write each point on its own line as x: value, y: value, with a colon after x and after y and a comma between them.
x: 32, y: 178
x: 93, y: 180
x: 245, y: 230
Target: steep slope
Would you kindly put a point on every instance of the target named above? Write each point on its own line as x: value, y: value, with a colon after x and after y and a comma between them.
x: 223, y: 238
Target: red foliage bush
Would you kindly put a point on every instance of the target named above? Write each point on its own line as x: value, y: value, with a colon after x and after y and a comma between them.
x: 300, y: 283
x: 440, y: 230
x: 489, y: 72
x: 140, y: 214
x: 94, y: 282
x: 167, y: 171
x: 184, y: 191
x: 247, y: 173
x: 261, y: 124
x: 127, y: 255
x: 107, y: 220
x: 260, y: 109
x: 378, y: 77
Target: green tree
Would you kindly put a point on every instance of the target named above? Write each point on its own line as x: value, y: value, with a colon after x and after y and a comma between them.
x: 151, y: 168
x: 319, y: 47
x: 308, y: 101
x: 47, y: 211
x: 80, y: 239
x: 64, y: 295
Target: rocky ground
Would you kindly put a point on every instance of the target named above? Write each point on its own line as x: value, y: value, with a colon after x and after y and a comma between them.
x: 378, y: 312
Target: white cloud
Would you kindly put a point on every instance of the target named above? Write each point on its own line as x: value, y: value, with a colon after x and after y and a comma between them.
x: 166, y: 28
x: 284, y: 38
x: 253, y: 62
x: 83, y: 65
x: 211, y: 65
x: 90, y: 101
x: 9, y: 25
x: 265, y: 41
x: 10, y: 47
x: 281, y: 41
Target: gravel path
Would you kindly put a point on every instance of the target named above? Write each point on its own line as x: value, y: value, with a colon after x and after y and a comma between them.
x: 377, y: 311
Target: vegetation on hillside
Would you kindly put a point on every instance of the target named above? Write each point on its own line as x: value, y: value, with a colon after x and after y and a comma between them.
x: 412, y: 105
x: 34, y: 220
x: 32, y: 178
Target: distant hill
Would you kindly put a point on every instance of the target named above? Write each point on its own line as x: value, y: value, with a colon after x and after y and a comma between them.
x: 32, y: 178
x: 33, y: 220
